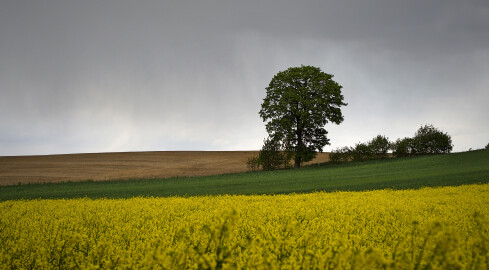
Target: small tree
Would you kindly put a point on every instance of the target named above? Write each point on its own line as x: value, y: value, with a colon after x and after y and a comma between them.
x: 253, y: 163
x: 379, y: 146
x: 340, y: 155
x: 429, y: 140
x: 361, y: 152
x: 487, y: 146
x: 271, y: 156
x: 402, y: 147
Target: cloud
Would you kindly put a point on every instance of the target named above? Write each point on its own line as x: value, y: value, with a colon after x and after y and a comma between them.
x: 91, y: 76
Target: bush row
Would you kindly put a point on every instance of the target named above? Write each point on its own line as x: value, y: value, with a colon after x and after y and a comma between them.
x: 426, y: 141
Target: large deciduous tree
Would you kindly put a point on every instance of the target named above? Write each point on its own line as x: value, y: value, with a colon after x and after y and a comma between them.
x: 300, y: 101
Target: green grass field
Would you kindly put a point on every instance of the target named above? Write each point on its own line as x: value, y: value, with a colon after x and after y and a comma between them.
x: 441, y: 170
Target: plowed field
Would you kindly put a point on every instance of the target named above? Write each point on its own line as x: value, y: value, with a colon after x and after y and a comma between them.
x: 127, y: 165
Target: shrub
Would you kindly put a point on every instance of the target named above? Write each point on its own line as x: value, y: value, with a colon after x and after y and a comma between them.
x: 287, y: 157
x: 402, y: 147
x: 379, y: 146
x: 361, y: 152
x: 487, y: 146
x: 272, y: 157
x: 340, y: 155
x: 429, y: 140
x: 253, y: 163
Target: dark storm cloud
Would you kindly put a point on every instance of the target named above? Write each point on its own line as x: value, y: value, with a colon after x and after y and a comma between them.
x: 81, y: 76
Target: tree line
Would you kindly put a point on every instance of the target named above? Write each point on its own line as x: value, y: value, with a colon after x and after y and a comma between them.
x: 427, y: 140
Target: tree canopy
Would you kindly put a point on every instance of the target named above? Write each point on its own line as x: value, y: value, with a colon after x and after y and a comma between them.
x: 429, y: 140
x: 300, y: 101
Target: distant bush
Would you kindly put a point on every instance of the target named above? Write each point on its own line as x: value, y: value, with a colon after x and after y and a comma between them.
x: 361, y: 152
x: 272, y: 157
x: 340, y: 155
x: 429, y: 140
x: 402, y: 147
x: 487, y: 146
x: 426, y: 141
x: 253, y: 163
x: 379, y: 147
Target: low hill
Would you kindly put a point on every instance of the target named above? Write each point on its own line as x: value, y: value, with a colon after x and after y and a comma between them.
x: 127, y: 165
x: 440, y: 170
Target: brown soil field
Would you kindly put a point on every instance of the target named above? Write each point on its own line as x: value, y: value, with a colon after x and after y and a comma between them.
x: 127, y: 165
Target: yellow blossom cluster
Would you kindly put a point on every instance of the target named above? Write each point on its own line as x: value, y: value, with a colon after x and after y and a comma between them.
x: 429, y: 228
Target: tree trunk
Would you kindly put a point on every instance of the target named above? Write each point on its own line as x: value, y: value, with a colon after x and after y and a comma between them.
x: 298, y: 157
x: 298, y: 150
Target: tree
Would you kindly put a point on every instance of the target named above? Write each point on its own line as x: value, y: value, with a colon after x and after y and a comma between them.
x: 379, y: 146
x: 271, y: 156
x: 253, y: 163
x: 300, y: 101
x: 402, y: 147
x: 429, y: 140
x: 361, y: 152
x: 340, y: 155
x: 487, y: 146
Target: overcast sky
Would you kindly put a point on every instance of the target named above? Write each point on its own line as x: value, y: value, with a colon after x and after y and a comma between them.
x: 115, y: 75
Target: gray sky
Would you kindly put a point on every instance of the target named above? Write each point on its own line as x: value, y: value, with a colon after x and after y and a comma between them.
x: 115, y: 75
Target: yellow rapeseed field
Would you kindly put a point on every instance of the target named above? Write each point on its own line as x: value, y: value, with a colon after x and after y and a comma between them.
x: 430, y: 228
